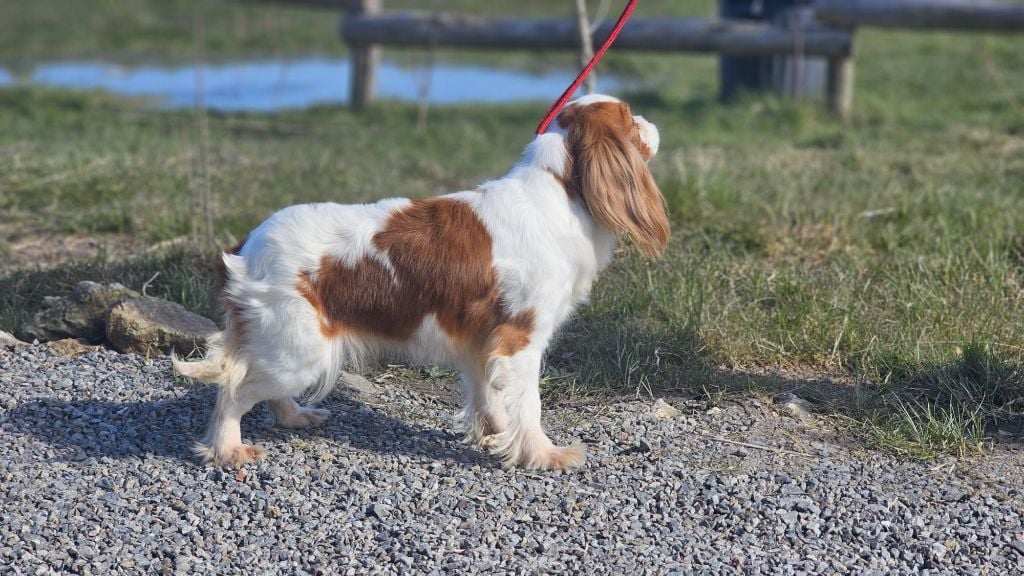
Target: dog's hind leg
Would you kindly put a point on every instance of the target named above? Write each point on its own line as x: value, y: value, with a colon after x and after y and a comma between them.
x: 290, y: 414
x: 223, y: 441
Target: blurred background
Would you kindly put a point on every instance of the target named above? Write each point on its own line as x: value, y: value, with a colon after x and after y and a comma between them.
x: 845, y: 177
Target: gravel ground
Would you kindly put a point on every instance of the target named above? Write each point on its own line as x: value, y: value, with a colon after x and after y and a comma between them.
x: 96, y: 478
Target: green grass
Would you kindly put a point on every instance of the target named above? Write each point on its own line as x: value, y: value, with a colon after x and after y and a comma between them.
x: 947, y: 407
x: 876, y: 268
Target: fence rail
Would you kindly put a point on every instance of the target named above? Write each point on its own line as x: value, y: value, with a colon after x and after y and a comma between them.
x: 329, y: 4
x: 923, y: 14
x: 422, y: 29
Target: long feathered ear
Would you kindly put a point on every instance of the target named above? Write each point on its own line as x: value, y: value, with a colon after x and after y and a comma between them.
x: 611, y: 176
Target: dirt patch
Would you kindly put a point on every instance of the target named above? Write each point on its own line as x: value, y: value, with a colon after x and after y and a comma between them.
x: 41, y: 250
x: 441, y: 385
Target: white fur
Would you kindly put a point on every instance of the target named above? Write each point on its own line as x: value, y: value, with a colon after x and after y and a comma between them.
x: 546, y: 251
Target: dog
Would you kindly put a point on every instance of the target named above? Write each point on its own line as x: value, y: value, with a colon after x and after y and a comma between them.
x: 481, y: 279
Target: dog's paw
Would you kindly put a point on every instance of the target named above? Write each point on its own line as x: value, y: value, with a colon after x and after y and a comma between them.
x: 552, y: 458
x: 234, y: 456
x: 304, y: 418
x: 561, y: 457
x: 489, y: 442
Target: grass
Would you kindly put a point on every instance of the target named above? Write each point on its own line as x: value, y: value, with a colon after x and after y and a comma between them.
x: 876, y: 268
x: 947, y: 408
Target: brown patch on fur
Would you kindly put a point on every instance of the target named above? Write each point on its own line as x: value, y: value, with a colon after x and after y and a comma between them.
x: 440, y: 263
x: 609, y: 172
x: 349, y: 298
x: 638, y: 141
x: 513, y: 335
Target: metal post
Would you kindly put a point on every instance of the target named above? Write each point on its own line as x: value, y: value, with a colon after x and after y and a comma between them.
x: 789, y: 75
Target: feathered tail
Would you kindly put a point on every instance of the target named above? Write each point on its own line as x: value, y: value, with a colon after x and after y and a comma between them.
x: 223, y: 363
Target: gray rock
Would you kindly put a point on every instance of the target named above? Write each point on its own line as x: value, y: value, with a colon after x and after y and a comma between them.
x: 82, y: 314
x: 148, y: 325
x: 796, y: 406
x: 360, y: 387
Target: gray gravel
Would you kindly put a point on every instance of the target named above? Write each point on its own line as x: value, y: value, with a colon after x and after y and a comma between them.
x: 96, y: 478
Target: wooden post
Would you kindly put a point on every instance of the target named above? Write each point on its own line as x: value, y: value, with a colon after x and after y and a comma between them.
x: 364, y: 60
x: 840, y: 86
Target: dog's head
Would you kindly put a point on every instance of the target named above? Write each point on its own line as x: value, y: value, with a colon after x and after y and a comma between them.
x: 609, y: 149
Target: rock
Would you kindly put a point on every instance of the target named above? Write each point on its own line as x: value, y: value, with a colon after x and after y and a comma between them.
x: 71, y: 346
x: 148, y: 325
x: 360, y: 387
x: 1018, y: 547
x: 714, y: 411
x: 641, y: 447
x: 82, y: 314
x: 7, y: 339
x: 796, y: 406
x: 663, y: 409
x: 378, y: 510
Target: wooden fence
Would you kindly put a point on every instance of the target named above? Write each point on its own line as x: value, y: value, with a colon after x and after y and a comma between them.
x: 829, y: 34
x: 979, y: 16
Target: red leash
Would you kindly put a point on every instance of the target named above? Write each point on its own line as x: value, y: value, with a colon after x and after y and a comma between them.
x: 560, y: 103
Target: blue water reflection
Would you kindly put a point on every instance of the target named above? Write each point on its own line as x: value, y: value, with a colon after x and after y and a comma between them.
x: 263, y: 85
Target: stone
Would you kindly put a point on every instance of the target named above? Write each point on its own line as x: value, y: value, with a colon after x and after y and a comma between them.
x: 360, y: 387
x: 82, y: 314
x: 663, y: 409
x: 7, y: 339
x: 795, y: 406
x: 71, y: 346
x: 148, y: 325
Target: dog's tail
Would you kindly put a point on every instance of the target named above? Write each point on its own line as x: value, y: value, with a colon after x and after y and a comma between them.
x: 221, y: 365
x: 224, y: 364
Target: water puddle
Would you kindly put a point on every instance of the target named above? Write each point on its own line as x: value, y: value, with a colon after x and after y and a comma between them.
x: 265, y: 85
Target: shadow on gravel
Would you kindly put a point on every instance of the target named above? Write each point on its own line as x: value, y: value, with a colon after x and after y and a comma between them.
x: 83, y: 429
x: 681, y: 365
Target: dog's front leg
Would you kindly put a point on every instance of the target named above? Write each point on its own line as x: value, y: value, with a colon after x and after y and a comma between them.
x: 484, y: 415
x: 524, y: 442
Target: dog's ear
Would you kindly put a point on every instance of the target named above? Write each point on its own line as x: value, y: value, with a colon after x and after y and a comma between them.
x: 610, y: 174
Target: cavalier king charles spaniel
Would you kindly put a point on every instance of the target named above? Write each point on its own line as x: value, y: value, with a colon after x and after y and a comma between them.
x: 481, y: 279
